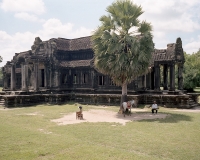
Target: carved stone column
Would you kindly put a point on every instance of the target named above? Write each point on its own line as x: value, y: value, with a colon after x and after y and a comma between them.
x: 152, y: 78
x: 172, y: 77
x: 180, y: 76
x: 165, y: 77
x: 35, y: 76
x: 148, y: 80
x: 157, y: 77
x: 5, y: 79
x: 57, y: 78
x: 13, y: 76
x: 92, y: 79
x: 145, y: 81
x: 24, y: 75
x: 39, y: 77
x: 50, y: 76
x: 46, y: 76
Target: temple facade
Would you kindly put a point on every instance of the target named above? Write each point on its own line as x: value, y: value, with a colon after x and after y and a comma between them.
x: 67, y: 65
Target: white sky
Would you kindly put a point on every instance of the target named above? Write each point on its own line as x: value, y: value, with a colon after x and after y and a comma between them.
x: 23, y: 20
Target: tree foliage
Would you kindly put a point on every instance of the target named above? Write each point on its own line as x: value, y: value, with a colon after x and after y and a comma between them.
x: 191, y: 71
x: 122, y: 44
x: 1, y: 74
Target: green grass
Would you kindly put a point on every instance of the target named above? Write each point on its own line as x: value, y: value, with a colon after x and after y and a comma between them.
x: 197, y: 89
x: 24, y: 136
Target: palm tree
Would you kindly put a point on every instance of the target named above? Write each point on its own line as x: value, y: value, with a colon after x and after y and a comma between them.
x: 122, y: 44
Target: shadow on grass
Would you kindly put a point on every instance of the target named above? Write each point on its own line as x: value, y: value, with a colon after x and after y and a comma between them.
x: 170, y: 118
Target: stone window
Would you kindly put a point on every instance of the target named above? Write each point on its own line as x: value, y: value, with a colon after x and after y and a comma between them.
x: 85, y: 78
x: 75, y: 79
x: 64, y: 78
x: 101, y: 80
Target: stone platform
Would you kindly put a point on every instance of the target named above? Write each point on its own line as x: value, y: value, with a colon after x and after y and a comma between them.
x: 17, y: 99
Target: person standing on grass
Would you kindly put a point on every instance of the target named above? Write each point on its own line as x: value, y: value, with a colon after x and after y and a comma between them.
x: 154, y: 107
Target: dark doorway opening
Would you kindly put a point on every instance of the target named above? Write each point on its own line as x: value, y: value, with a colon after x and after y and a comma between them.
x: 42, y: 76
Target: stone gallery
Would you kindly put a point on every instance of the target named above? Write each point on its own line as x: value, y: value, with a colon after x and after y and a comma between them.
x: 59, y: 70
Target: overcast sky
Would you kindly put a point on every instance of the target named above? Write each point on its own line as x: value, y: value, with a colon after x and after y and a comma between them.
x: 23, y: 20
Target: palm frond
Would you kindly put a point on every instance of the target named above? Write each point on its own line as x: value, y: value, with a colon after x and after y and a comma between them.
x: 145, y: 27
x: 118, y: 51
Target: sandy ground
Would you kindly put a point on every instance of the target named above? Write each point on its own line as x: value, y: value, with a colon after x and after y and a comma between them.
x: 100, y: 115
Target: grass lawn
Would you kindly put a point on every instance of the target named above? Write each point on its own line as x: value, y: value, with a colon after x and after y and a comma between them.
x: 28, y: 134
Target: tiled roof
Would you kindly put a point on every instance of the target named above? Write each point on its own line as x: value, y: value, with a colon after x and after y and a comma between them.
x: 22, y: 54
x: 63, y: 44
x: 164, y: 54
x: 85, y: 43
x: 77, y: 63
x: 73, y: 44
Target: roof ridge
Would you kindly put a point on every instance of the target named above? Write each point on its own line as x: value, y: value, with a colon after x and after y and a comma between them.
x: 71, y: 38
x: 63, y: 38
x: 81, y: 37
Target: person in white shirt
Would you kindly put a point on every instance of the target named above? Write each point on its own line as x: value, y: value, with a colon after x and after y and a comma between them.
x: 154, y: 107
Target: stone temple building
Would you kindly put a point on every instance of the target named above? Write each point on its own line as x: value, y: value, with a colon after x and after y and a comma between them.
x: 60, y: 68
x: 67, y: 65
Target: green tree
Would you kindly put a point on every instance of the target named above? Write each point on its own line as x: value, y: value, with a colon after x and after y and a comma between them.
x: 191, y: 73
x: 123, y: 44
x: 1, y: 74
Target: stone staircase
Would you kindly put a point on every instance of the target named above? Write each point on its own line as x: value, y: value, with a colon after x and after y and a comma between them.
x: 193, y: 104
x: 2, y: 102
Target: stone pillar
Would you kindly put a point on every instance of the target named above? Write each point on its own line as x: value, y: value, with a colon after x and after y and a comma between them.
x: 46, y: 76
x: 39, y: 78
x: 165, y: 77
x: 172, y: 77
x: 148, y: 80
x: 24, y: 75
x: 57, y: 78
x: 157, y: 77
x: 180, y: 76
x: 5, y: 80
x: 50, y: 77
x: 35, y: 76
x: 70, y: 79
x: 152, y: 78
x: 142, y: 82
x: 13, y: 76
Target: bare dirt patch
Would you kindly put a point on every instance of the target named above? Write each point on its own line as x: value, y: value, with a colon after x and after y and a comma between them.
x: 100, y: 115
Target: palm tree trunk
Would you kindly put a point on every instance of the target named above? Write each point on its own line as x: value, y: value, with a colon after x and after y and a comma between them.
x: 124, y: 93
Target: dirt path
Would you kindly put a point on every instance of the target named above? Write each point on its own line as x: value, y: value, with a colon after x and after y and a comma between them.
x: 100, y: 115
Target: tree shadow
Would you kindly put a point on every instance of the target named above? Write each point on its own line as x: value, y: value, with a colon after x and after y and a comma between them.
x: 161, y: 117
x: 170, y: 118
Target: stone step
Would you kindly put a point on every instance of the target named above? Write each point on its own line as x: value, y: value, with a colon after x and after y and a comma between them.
x: 192, y: 103
x: 2, y: 102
